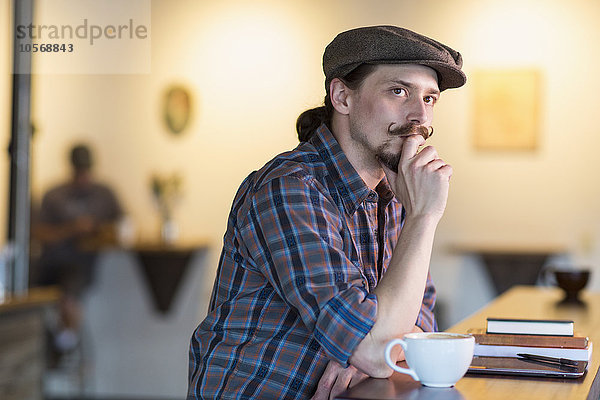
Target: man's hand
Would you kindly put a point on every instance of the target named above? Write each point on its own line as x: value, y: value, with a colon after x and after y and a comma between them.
x: 336, y: 379
x: 370, y: 353
x: 422, y: 180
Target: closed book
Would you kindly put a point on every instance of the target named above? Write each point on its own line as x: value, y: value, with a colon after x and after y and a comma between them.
x: 530, y: 326
x: 570, y: 342
x: 512, y: 351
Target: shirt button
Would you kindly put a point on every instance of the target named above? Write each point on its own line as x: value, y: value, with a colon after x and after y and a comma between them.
x: 364, y: 238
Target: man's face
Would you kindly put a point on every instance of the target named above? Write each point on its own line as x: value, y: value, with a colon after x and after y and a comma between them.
x: 391, y: 104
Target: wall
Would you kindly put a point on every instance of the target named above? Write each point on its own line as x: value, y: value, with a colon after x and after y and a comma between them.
x: 254, y: 66
x: 544, y: 195
x: 123, y: 320
x: 529, y: 198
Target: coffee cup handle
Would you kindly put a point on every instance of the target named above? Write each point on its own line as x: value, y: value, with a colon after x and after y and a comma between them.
x: 392, y: 364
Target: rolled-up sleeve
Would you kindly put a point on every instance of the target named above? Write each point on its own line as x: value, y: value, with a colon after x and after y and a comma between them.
x: 294, y: 232
x: 426, y: 319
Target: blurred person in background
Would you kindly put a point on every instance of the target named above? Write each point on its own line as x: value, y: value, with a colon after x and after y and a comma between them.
x: 75, y: 221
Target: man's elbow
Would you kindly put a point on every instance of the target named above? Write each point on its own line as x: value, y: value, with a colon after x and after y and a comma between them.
x: 378, y: 371
x: 371, y: 363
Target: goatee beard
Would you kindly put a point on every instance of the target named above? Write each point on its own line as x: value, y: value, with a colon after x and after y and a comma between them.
x: 391, y: 160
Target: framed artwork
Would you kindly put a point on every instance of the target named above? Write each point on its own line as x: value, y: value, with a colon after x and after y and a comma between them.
x: 506, y: 109
x: 177, y: 108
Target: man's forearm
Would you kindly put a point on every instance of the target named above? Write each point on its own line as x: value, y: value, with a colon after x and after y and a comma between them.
x: 47, y: 233
x: 399, y: 294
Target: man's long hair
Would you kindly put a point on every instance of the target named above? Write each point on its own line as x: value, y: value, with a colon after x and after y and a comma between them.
x: 308, y: 122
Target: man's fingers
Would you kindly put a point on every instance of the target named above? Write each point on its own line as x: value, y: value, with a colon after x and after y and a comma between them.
x: 321, y: 394
x: 335, y: 380
x: 436, y: 164
x: 326, y: 382
x: 341, y: 384
x: 410, y: 146
x: 447, y: 171
x: 427, y: 154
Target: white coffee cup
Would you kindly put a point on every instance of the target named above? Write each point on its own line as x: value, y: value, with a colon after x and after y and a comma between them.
x: 436, y: 359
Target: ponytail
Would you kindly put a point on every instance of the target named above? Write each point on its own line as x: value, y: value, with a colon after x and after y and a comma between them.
x: 309, y: 121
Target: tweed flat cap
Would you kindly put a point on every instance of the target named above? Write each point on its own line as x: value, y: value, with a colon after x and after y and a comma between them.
x: 391, y: 45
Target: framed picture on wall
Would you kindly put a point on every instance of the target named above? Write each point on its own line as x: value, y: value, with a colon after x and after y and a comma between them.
x: 506, y: 109
x: 177, y: 108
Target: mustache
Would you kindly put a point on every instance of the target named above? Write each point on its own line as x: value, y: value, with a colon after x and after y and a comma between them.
x: 412, y: 129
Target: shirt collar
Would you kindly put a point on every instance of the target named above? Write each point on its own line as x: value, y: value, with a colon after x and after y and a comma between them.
x: 349, y: 184
x: 384, y: 190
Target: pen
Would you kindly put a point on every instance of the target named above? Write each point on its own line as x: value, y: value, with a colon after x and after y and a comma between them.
x: 534, y: 357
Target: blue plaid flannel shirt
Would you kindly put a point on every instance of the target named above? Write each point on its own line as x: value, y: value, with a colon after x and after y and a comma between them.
x: 306, y: 243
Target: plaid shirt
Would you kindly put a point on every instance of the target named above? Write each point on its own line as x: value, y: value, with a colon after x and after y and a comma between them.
x: 306, y: 243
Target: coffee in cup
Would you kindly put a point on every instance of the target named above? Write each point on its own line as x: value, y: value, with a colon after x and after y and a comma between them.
x: 436, y: 359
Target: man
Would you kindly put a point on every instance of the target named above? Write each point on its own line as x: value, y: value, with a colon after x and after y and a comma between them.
x: 327, y: 249
x: 75, y: 220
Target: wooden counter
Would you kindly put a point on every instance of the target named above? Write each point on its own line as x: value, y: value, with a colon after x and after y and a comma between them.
x: 34, y: 298
x: 22, y: 344
x: 518, y: 302
x: 536, y: 302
